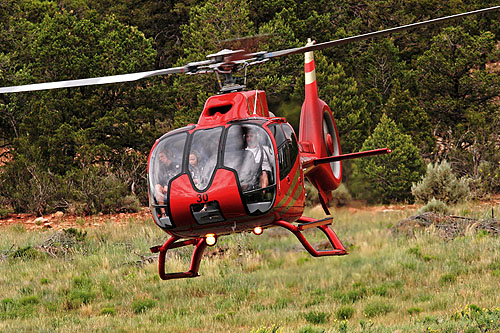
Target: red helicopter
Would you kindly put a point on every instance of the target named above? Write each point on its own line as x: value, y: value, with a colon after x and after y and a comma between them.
x: 240, y: 168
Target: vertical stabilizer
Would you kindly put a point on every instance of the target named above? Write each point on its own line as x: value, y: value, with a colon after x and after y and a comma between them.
x: 311, y: 86
x: 318, y: 134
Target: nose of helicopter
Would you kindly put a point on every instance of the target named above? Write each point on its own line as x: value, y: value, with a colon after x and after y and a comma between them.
x: 191, y: 208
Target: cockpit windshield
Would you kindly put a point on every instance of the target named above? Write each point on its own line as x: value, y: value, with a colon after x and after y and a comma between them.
x: 203, y: 155
x: 248, y: 151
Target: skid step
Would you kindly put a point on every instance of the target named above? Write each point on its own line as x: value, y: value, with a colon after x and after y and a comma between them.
x: 314, y: 224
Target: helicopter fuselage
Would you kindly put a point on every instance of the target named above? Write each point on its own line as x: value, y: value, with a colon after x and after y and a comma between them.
x: 237, y: 169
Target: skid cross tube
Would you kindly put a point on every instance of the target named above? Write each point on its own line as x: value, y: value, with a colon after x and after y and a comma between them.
x: 200, y: 246
x: 323, y: 225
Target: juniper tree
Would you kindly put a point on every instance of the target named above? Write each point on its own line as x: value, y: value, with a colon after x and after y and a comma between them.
x: 388, y: 178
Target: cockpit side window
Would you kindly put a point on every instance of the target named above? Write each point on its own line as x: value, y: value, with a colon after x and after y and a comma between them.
x: 165, y: 164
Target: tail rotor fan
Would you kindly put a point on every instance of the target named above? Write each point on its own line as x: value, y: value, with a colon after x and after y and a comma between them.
x: 332, y: 144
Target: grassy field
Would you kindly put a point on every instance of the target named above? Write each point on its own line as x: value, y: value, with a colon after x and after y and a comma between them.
x: 97, y: 281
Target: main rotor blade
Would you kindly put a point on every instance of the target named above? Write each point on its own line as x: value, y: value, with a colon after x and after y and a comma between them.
x: 92, y: 81
x: 342, y: 41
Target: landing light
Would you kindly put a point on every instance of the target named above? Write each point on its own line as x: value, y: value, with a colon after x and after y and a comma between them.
x: 258, y: 230
x: 210, y: 239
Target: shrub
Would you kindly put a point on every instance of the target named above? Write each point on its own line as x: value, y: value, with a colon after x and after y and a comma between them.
x: 27, y: 253
x: 27, y: 300
x: 312, y: 196
x: 7, y: 304
x: 28, y: 187
x: 487, y: 179
x: 441, y: 183
x: 388, y: 178
x: 76, y: 234
x: 414, y: 310
x: 447, y: 278
x: 316, y: 317
x: 380, y: 290
x: 108, y: 311
x: 4, y: 212
x: 78, y: 297
x: 345, y: 312
x: 435, y: 206
x: 96, y: 189
x: 141, y: 305
x: 351, y: 296
x: 377, y: 309
x: 129, y: 203
x: 341, y: 196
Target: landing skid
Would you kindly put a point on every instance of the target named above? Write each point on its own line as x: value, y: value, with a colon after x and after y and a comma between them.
x: 200, y: 245
x: 323, y: 225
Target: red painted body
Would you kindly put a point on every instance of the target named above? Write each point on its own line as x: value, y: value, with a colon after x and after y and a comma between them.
x: 290, y: 195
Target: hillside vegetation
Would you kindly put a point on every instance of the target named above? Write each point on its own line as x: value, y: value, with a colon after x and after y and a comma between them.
x: 84, y: 150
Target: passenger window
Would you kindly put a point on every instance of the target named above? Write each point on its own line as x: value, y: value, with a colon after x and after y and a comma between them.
x: 277, y: 132
x: 249, y: 152
x: 283, y: 145
x: 165, y: 164
x: 292, y: 142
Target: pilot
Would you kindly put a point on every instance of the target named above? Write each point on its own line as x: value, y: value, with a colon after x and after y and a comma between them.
x: 167, y: 169
x: 261, y: 155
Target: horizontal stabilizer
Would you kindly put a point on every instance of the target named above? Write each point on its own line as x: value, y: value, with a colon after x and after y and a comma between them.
x: 314, y: 162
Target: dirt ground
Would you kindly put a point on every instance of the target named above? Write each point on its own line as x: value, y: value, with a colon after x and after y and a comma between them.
x: 60, y: 220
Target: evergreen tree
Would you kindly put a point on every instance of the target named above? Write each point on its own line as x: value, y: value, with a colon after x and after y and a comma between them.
x: 459, y: 91
x: 388, y: 178
x: 210, y: 25
x: 74, y: 129
x: 410, y: 118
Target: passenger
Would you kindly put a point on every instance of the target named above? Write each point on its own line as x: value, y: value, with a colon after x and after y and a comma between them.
x: 261, y: 155
x: 195, y: 168
x: 167, y: 169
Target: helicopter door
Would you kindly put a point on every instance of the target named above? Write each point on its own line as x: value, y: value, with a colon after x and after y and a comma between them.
x: 249, y: 153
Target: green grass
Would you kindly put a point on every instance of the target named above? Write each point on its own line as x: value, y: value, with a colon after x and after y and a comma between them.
x: 259, y: 284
